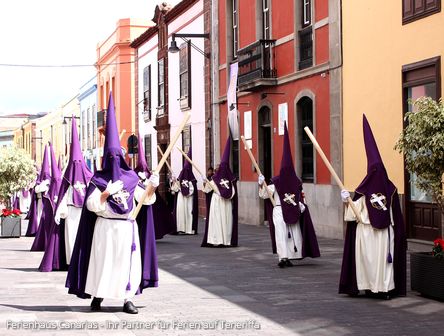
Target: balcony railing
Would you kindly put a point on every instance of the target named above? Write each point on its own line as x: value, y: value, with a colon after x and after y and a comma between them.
x: 257, y: 65
x: 101, y: 118
x: 306, y: 48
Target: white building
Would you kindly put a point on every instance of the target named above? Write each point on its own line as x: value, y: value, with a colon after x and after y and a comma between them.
x: 88, y: 124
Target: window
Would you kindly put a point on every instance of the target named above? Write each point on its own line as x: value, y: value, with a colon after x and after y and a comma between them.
x: 266, y: 33
x: 185, y: 75
x: 186, y: 140
x: 161, y: 86
x: 147, y: 93
x: 420, y: 79
x: 148, y: 150
x: 305, y: 115
x: 306, y: 13
x: 413, y: 10
x: 235, y: 21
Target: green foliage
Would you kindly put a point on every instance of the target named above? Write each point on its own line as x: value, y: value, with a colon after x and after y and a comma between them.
x: 17, y: 171
x: 422, y: 142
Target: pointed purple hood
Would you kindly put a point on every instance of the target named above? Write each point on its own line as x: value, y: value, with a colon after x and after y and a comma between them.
x: 376, y: 186
x: 224, y: 177
x: 288, y: 185
x: 186, y: 175
x: 45, y: 173
x: 77, y: 174
x: 56, y: 179
x: 114, y: 167
x: 142, y: 166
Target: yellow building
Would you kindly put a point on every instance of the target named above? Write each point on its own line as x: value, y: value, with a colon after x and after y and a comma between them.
x: 391, y: 52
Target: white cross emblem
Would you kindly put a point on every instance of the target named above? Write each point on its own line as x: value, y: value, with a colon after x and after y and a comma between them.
x: 224, y: 183
x: 185, y: 183
x: 289, y: 199
x: 120, y: 197
x: 378, y: 201
x: 56, y: 198
x: 79, y: 187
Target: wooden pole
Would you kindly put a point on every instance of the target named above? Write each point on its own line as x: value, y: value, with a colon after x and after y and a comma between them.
x: 162, y: 160
x: 195, y: 167
x: 332, y: 171
x: 121, y: 134
x: 258, y: 170
x: 166, y: 162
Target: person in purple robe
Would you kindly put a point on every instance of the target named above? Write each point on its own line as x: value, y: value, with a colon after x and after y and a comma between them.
x: 374, y: 258
x: 162, y: 216
x: 110, y: 258
x: 221, y: 226
x: 41, y: 186
x: 49, y: 201
x: 71, y: 197
x: 291, y: 228
x: 186, y: 210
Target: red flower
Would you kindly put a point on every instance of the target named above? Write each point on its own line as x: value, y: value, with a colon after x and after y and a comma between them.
x: 16, y: 212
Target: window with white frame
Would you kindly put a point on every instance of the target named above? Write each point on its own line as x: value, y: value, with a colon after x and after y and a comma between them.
x: 235, y: 21
x: 161, y: 86
x: 306, y: 13
x: 266, y: 32
x: 147, y: 93
x: 185, y: 75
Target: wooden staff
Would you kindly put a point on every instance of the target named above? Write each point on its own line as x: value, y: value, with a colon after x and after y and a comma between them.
x: 162, y: 160
x: 121, y: 134
x: 166, y: 162
x: 258, y: 170
x: 195, y: 167
x: 332, y: 171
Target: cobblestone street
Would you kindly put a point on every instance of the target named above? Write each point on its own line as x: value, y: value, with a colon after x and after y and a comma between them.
x: 204, y: 291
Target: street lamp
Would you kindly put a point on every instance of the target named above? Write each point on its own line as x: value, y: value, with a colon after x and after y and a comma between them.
x: 173, y: 46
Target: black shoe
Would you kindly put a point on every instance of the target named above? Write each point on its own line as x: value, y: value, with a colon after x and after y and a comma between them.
x: 130, y: 308
x: 95, y: 304
x: 281, y: 263
x: 288, y: 263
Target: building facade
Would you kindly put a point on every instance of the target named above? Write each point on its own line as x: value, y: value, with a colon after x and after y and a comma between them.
x: 288, y: 55
x: 391, y: 55
x: 116, y: 74
x: 88, y: 125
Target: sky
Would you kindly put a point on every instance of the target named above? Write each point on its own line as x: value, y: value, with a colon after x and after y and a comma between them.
x: 55, y: 32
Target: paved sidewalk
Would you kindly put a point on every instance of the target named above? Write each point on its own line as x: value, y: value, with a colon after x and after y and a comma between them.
x: 211, y: 289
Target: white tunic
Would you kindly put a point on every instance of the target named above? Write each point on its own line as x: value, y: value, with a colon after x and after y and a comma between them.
x: 38, y: 190
x: 373, y: 272
x: 285, y: 246
x: 184, y: 209
x: 112, y: 264
x: 220, y: 218
x: 25, y: 202
x: 71, y: 214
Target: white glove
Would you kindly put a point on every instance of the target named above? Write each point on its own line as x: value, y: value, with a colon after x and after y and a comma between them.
x: 42, y: 187
x: 204, y: 179
x: 142, y: 175
x: 154, y: 180
x: 57, y: 219
x: 301, y: 207
x: 261, y: 179
x: 344, y: 195
x: 114, y: 187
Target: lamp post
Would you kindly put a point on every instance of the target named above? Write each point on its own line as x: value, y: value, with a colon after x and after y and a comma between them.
x: 174, y: 48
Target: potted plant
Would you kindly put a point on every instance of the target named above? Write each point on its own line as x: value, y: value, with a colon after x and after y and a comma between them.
x: 17, y: 171
x: 10, y: 223
x: 422, y: 142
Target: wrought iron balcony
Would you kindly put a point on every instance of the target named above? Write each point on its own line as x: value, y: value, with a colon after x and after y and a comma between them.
x: 257, y: 65
x: 101, y: 118
x: 306, y: 48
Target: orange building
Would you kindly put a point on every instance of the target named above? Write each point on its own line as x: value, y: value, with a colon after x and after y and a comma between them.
x: 115, y: 72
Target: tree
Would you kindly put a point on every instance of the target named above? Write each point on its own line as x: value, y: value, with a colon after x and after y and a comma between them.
x: 422, y: 142
x: 17, y: 171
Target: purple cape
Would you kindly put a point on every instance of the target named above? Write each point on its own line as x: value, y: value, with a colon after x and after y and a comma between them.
x: 234, y: 213
x: 288, y: 185
x: 44, y: 227
x: 78, y: 268
x: 310, y: 247
x: 162, y: 216
x: 347, y: 282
